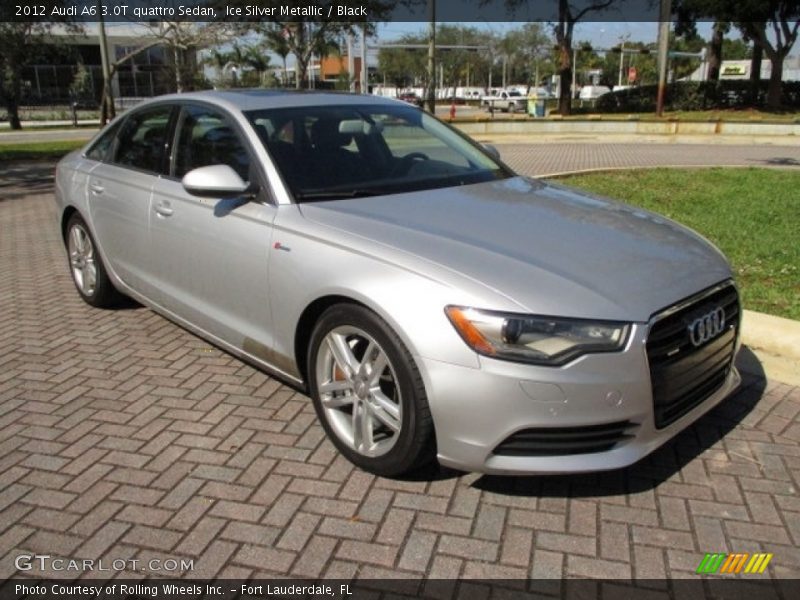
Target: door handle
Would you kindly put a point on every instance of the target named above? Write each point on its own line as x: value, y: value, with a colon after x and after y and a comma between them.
x: 96, y: 188
x: 164, y: 210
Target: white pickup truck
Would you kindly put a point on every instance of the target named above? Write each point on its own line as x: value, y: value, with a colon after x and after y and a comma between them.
x: 505, y: 100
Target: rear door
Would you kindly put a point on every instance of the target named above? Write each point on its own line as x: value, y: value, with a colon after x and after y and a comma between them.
x: 211, y: 255
x: 119, y: 192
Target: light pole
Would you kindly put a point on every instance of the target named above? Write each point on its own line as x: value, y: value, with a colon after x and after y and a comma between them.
x: 364, y: 78
x: 431, y: 100
x: 351, y: 63
x: 108, y: 98
x: 574, y: 73
x: 663, y: 50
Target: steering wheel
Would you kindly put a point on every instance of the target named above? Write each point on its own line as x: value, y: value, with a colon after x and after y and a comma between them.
x: 404, y: 166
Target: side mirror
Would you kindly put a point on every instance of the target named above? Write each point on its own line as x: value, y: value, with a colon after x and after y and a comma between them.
x: 491, y: 151
x: 215, y: 181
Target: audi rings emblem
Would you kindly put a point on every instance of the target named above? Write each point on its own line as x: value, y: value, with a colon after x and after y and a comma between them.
x: 707, y: 327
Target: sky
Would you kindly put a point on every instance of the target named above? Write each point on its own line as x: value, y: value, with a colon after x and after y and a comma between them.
x: 600, y: 35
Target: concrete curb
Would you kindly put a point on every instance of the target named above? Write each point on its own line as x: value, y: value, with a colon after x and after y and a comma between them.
x: 775, y: 335
x: 635, y: 127
x: 776, y: 343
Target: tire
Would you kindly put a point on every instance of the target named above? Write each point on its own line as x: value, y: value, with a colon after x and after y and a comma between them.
x: 86, y: 267
x: 368, y: 393
x: 512, y: 108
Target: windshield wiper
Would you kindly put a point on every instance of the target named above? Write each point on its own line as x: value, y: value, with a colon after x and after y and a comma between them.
x: 341, y: 194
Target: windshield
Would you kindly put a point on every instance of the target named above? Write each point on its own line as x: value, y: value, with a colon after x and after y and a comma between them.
x: 329, y: 152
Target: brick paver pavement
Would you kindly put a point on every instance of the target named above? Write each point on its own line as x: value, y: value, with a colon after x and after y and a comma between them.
x: 559, y: 157
x: 123, y: 436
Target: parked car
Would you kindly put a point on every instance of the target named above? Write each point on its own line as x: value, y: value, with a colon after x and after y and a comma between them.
x: 593, y: 92
x: 432, y: 302
x: 506, y: 101
x: 411, y: 98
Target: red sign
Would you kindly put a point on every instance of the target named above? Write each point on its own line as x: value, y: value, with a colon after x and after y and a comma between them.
x: 632, y: 74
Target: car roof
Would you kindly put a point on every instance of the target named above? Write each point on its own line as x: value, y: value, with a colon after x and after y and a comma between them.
x: 255, y: 99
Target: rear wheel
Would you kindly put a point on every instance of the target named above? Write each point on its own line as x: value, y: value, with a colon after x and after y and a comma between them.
x: 368, y: 393
x: 88, y: 271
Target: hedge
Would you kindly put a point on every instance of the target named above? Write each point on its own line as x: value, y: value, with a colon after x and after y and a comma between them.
x: 696, y: 95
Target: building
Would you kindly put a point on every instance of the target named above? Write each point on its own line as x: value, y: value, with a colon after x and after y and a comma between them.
x: 73, y: 72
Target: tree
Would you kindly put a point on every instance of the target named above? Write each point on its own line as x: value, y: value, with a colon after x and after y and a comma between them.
x: 531, y: 49
x: 275, y: 42
x: 567, y: 18
x: 181, y: 38
x: 682, y: 66
x: 20, y: 45
x: 688, y: 13
x: 404, y: 66
x: 755, y: 18
x: 81, y: 86
x: 783, y: 18
x: 715, y: 49
x: 305, y: 36
x: 255, y: 59
x: 736, y: 49
x: 218, y: 60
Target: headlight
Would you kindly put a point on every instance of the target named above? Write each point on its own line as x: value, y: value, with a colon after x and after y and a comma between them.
x: 535, y: 339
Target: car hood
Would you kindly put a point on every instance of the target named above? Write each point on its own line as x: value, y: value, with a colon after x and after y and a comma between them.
x: 549, y: 249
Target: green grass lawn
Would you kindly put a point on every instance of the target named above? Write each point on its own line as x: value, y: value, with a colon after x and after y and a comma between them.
x: 753, y: 215
x: 38, y: 150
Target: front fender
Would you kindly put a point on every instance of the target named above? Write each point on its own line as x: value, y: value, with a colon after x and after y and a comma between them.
x: 305, y: 268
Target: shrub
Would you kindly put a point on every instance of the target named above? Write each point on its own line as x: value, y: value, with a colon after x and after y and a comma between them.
x: 696, y: 95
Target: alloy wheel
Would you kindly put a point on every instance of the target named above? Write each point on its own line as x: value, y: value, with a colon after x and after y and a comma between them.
x: 358, y: 391
x: 82, y: 259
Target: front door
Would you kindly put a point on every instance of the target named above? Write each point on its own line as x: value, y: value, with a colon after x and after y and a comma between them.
x: 211, y: 255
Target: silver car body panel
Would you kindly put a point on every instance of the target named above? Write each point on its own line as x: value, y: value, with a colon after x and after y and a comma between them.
x: 241, y: 274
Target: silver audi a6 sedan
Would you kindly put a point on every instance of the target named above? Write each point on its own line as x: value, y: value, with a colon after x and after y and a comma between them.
x: 433, y: 303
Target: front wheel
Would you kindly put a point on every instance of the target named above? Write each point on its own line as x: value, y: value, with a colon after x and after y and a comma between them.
x: 368, y: 393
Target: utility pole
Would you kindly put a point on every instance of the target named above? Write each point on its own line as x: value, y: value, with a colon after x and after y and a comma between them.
x: 351, y: 63
x: 431, y: 100
x: 573, y: 89
x: 364, y: 82
x: 663, y: 50
x: 108, y: 99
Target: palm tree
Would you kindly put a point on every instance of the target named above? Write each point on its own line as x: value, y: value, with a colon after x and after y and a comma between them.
x: 276, y: 42
x: 218, y: 60
x: 254, y: 58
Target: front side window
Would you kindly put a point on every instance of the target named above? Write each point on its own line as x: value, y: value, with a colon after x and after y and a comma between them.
x: 100, y: 149
x: 205, y: 138
x: 349, y: 151
x: 143, y: 138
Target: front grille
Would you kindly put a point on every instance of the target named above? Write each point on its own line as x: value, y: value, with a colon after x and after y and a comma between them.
x: 553, y: 441
x: 684, y: 375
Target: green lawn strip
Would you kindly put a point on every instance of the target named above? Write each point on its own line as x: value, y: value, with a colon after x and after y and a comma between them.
x: 44, y: 126
x: 752, y: 215
x: 38, y: 150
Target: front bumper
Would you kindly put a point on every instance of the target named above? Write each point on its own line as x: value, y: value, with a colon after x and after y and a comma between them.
x: 475, y: 410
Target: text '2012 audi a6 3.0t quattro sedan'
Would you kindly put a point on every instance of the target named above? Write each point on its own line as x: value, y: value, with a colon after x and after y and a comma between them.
x: 433, y: 303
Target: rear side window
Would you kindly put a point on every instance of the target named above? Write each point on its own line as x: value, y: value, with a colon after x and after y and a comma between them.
x: 205, y: 138
x: 143, y: 139
x: 99, y: 150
